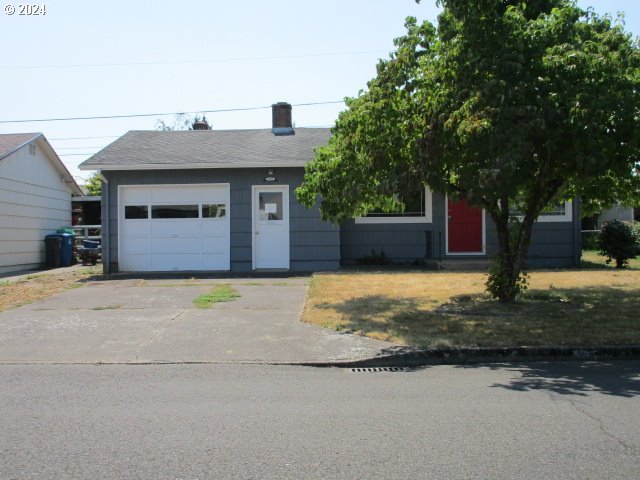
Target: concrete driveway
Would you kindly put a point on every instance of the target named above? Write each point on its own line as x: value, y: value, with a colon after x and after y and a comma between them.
x: 139, y: 321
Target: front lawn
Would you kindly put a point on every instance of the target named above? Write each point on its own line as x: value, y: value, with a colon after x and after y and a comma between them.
x: 594, y: 307
x: 39, y: 286
x: 591, y: 259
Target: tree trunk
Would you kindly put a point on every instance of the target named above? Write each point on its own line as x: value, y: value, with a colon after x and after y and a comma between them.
x: 505, y: 281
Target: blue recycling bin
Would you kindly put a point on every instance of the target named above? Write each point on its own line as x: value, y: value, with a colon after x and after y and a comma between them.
x: 66, y: 249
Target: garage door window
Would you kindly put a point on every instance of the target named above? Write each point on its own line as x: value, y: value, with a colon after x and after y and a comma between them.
x: 136, y: 212
x: 174, y: 211
x: 218, y: 210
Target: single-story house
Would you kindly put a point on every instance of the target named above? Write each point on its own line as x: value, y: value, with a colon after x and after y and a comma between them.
x: 225, y: 200
x: 35, y: 199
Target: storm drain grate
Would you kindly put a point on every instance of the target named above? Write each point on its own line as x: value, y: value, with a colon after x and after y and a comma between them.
x: 379, y: 369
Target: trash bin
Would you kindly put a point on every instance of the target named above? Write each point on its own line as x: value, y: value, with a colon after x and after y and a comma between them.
x: 90, y: 244
x: 66, y: 249
x: 53, y: 244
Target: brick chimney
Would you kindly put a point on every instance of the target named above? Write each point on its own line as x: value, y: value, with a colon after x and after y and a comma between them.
x: 281, y: 119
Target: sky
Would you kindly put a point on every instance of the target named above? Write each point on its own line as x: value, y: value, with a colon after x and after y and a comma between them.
x: 135, y: 57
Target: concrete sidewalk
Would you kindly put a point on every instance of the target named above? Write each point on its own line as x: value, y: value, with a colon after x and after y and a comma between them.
x: 142, y: 321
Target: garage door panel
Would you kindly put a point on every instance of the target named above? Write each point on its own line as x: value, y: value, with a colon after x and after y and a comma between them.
x: 136, y: 195
x: 215, y: 245
x: 180, y: 261
x: 215, y: 261
x: 178, y: 245
x: 214, y: 195
x: 136, y: 246
x: 173, y: 244
x: 214, y: 227
x: 137, y: 228
x: 171, y: 194
x: 172, y: 228
x: 136, y: 262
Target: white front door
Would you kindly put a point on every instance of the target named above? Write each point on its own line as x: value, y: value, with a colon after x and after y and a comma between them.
x: 270, y: 226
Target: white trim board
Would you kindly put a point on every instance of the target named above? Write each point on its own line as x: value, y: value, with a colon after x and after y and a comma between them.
x: 192, y: 166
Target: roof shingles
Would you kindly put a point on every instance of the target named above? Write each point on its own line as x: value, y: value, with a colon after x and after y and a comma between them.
x: 209, y: 148
x: 10, y: 142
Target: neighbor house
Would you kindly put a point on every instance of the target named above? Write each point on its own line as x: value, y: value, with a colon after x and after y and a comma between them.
x: 35, y: 199
x: 225, y: 201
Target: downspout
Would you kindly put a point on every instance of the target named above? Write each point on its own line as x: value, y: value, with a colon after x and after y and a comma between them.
x: 106, y: 260
x: 577, y: 232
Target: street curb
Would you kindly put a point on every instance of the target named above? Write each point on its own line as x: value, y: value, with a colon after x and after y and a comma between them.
x: 462, y: 356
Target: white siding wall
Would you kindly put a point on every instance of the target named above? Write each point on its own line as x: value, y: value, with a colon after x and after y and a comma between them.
x: 34, y: 202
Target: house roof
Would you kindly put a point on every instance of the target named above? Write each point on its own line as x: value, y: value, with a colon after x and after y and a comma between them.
x: 12, y: 142
x: 147, y: 150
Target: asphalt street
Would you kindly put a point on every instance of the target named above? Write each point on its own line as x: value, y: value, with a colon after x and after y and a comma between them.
x: 537, y: 420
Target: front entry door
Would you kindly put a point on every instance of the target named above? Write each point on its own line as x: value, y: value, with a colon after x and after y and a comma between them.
x: 270, y: 226
x: 465, y: 228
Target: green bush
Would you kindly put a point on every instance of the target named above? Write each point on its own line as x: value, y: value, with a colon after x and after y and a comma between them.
x: 618, y: 241
x: 373, y: 259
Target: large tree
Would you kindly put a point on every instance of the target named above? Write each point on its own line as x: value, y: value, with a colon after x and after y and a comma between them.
x: 510, y: 104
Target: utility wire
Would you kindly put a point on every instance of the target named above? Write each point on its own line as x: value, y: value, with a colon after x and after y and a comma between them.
x: 75, y: 148
x: 81, y: 138
x: 103, y: 117
x: 177, y: 62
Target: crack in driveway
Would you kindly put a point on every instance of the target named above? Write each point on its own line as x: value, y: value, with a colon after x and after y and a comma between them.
x: 155, y: 335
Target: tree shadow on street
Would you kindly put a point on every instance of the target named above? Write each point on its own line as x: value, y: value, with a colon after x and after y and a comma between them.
x: 619, y: 378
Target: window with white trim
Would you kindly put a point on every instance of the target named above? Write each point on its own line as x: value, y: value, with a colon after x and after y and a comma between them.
x: 556, y: 212
x: 417, y: 209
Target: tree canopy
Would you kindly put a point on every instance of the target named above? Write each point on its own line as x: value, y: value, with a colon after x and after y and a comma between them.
x: 183, y: 121
x: 94, y: 185
x: 509, y: 104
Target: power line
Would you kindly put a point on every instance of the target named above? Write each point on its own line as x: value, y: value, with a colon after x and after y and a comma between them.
x: 75, y: 148
x: 176, y: 62
x: 104, y: 117
x: 74, y: 154
x: 82, y: 138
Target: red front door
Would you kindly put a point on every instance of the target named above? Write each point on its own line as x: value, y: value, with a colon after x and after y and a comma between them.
x: 465, y: 228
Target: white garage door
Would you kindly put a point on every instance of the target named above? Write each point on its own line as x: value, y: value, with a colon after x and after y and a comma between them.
x: 174, y: 227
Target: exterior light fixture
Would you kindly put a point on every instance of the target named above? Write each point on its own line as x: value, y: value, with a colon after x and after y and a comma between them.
x: 270, y: 176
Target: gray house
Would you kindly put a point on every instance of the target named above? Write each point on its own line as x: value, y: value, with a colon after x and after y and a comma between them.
x: 225, y: 201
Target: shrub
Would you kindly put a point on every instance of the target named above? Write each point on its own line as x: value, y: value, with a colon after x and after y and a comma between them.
x: 618, y: 241
x: 373, y: 259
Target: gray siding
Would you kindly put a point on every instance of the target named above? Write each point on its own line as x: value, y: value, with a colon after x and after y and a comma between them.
x: 553, y: 244
x: 400, y: 242
x: 318, y: 245
x: 315, y: 245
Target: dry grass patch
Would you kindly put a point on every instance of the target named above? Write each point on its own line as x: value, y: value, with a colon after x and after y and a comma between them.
x: 40, y: 286
x: 578, y: 307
